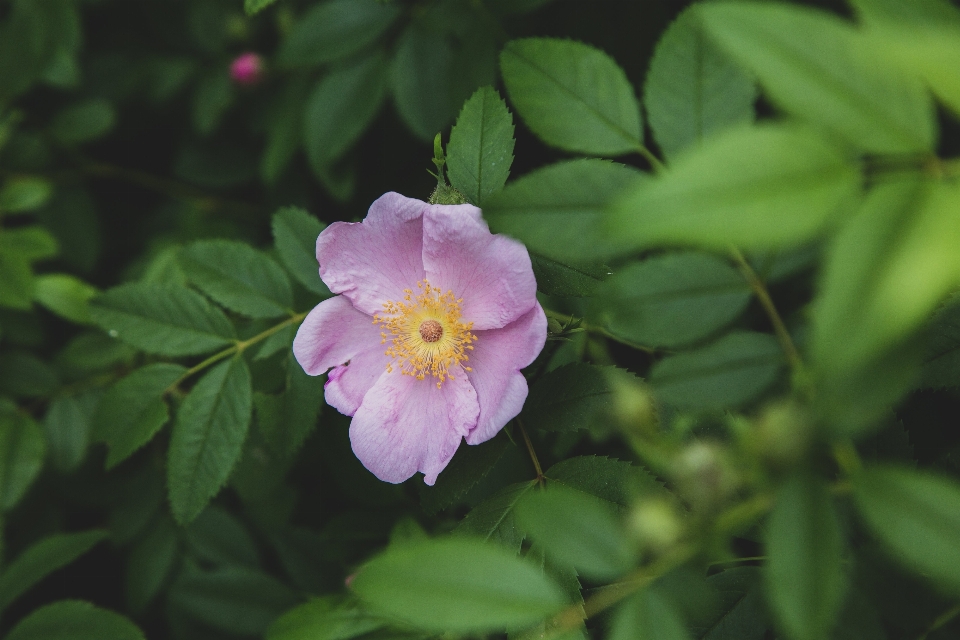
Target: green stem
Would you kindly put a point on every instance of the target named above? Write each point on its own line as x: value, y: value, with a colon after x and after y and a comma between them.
x: 532, y: 452
x: 941, y: 621
x: 238, y: 347
x: 599, y: 331
x: 655, y: 163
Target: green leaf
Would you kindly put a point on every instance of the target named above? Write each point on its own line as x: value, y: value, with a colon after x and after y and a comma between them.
x: 572, y: 96
x: 239, y: 277
x: 24, y: 374
x: 341, y: 107
x: 220, y: 539
x: 91, y: 352
x: 163, y: 319
x: 756, y: 187
x: 31, y: 243
x: 22, y: 449
x: 480, y: 150
x: 150, y: 563
x: 917, y: 517
x: 16, y: 281
x: 295, y: 235
x: 672, y: 300
x: 334, y: 30
x: 574, y: 279
x: 273, y: 344
x: 804, y: 543
x: 237, y: 600
x: 420, y: 77
x: 67, y: 429
x: 692, y: 89
x: 457, y: 584
x: 24, y: 194
x: 733, y: 370
x: 208, y: 437
x: 134, y: 410
x: 941, y: 367
x: 285, y: 420
x: 84, y: 121
x: 74, y: 620
x: 284, y: 130
x: 578, y: 530
x: 617, y: 482
x: 808, y: 63
x: 740, y: 613
x: 65, y: 295
x: 43, y: 558
x: 213, y: 97
x: 325, y: 618
x: 558, y: 210
x: 574, y: 396
x: 648, y: 616
x: 253, y: 7
x: 468, y: 467
x: 493, y: 519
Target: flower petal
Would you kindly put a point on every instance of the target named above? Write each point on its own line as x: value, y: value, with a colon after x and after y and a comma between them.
x: 333, y: 333
x: 405, y: 425
x: 496, y: 360
x: 347, y: 384
x: 375, y: 260
x: 492, y: 273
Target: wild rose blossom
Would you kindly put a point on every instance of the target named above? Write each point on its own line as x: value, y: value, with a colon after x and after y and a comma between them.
x: 425, y: 344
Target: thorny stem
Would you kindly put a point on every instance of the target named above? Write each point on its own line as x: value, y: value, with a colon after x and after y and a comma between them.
x: 599, y: 331
x: 942, y: 620
x: 756, y: 284
x: 533, y: 454
x: 238, y: 347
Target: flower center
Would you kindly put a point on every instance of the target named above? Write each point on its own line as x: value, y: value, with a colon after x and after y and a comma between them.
x: 425, y: 333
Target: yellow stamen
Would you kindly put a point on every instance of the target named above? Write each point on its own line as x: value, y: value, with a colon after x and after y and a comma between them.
x: 425, y: 333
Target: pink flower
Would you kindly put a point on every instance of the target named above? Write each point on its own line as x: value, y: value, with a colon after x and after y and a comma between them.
x: 247, y: 69
x: 436, y: 318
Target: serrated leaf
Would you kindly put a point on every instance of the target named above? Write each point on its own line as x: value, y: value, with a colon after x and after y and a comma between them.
x: 757, y: 187
x: 208, y: 437
x: 285, y: 420
x: 43, y: 558
x: 324, y: 618
x: 733, y: 370
x: 22, y: 450
x: 467, y: 468
x: 574, y: 279
x: 692, y: 89
x: 558, y: 210
x: 807, y: 62
x: 671, y: 300
x: 480, y: 150
x: 295, y: 235
x: 457, y: 584
x: 574, y: 396
x: 162, y: 319
x: 493, y: 519
x: 804, y: 543
x: 612, y: 480
x: 420, y: 76
x: 74, y: 620
x: 255, y: 6
x: 334, y: 30
x: 133, y: 410
x: 341, y: 107
x: 572, y: 96
x: 239, y: 277
x: 917, y: 517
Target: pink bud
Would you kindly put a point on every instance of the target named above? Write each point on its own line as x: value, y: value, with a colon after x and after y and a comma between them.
x: 348, y: 581
x: 247, y: 69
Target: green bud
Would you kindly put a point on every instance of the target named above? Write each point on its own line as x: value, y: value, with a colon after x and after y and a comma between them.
x: 445, y: 194
x: 705, y: 476
x: 655, y: 523
x: 783, y: 433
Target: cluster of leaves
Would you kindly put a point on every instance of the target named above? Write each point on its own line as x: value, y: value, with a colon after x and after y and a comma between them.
x: 751, y: 329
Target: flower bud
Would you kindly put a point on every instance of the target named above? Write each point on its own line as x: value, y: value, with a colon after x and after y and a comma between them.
x: 655, y: 523
x: 783, y: 433
x: 247, y: 69
x: 704, y: 475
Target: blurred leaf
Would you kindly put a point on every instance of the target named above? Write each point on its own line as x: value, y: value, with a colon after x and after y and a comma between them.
x: 740, y: 613
x: 692, y: 89
x: 24, y: 193
x: 917, y: 517
x: 151, y: 562
x: 133, y: 410
x: 808, y: 62
x: 572, y: 96
x: 213, y: 97
x: 576, y: 529
x: 733, y: 370
x: 480, y: 150
x: 74, y: 620
x: 558, y: 210
x: 208, y: 437
x: 28, y: 43
x: 71, y: 217
x: 284, y: 130
x: 216, y: 164
x: 255, y: 6
x: 325, y: 618
x: 167, y: 320
x: 22, y: 450
x: 493, y: 519
x: 220, y: 539
x: 93, y: 351
x: 65, y: 295
x: 648, y: 616
x: 570, y: 279
x: 457, y: 584
x: 237, y: 600
x: 420, y: 78
x: 336, y: 29
x: 43, y: 558
x: 31, y: 243
x: 805, y: 580
x: 468, y: 467
x: 763, y: 186
x: 672, y: 299
x: 67, y: 429
x: 342, y: 106
x: 942, y: 363
x: 239, y: 277
x: 16, y: 281
x: 287, y: 419
x: 295, y: 235
x: 84, y: 121
x: 616, y: 481
x: 574, y: 396
x: 24, y: 374
x: 509, y: 7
